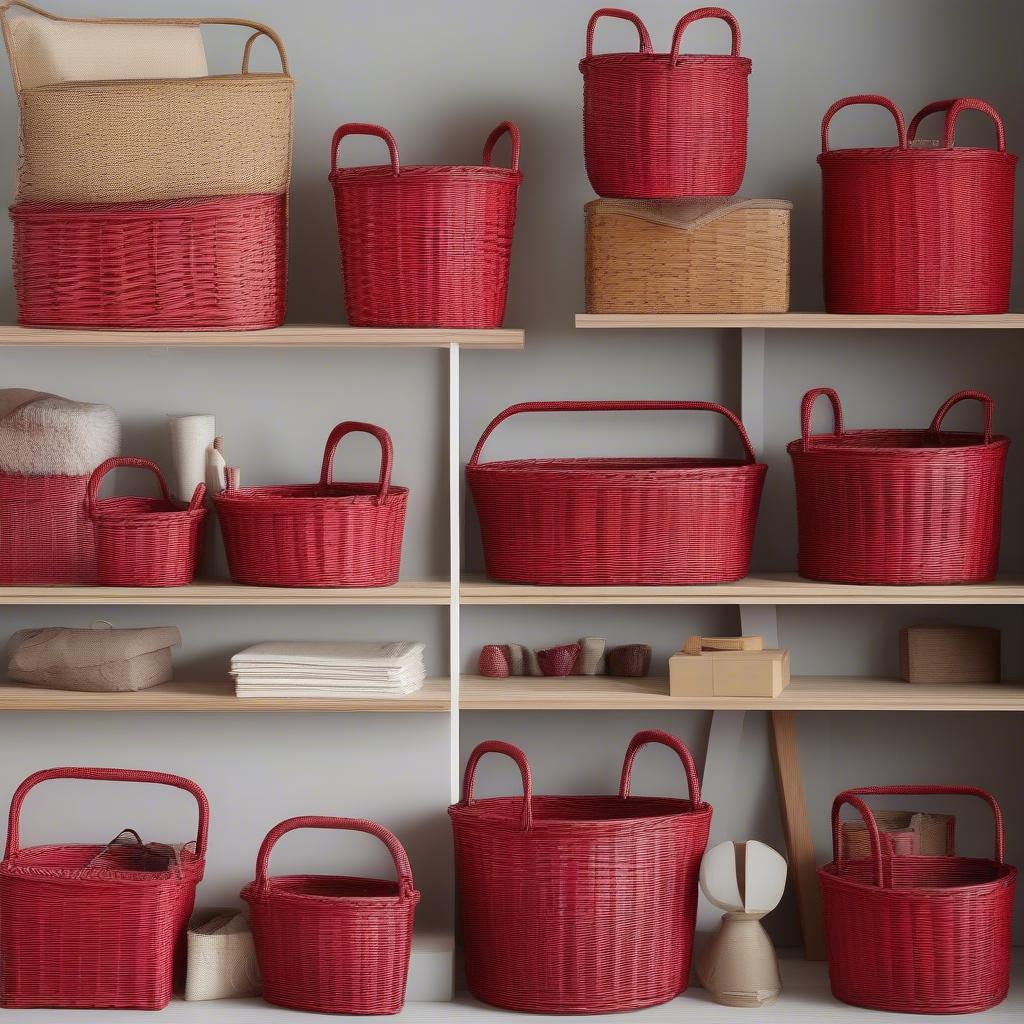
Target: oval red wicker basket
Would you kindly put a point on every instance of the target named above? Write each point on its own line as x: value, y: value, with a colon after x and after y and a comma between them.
x: 90, y: 937
x: 145, y: 542
x: 665, y: 125
x: 578, y: 904
x: 328, y: 534
x: 617, y: 521
x: 333, y: 944
x: 183, y: 265
x: 898, y: 506
x: 917, y: 934
x: 916, y: 228
x: 425, y: 246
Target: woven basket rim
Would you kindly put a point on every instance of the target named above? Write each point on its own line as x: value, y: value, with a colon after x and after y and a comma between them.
x: 190, y: 871
x: 241, y: 496
x: 417, y: 172
x: 980, y: 153
x: 832, y: 444
x: 278, y: 892
x: 151, y: 84
x: 628, y: 467
x: 1004, y: 874
x: 157, y: 208
x: 659, y: 61
x: 494, y: 810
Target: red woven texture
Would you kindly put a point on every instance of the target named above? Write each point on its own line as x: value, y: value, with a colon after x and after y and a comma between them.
x: 186, y: 265
x: 617, y: 521
x: 898, y: 506
x: 145, y: 542
x: 425, y: 246
x: 665, y: 125
x: 318, y: 535
x: 45, y: 533
x: 80, y: 937
x: 917, y: 230
x: 918, y: 934
x: 578, y: 904
x: 333, y: 944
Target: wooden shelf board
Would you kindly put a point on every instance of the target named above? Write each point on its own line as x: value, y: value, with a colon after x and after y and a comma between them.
x: 806, y: 321
x: 805, y: 693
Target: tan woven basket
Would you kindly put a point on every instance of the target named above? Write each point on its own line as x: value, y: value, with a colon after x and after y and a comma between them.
x: 687, y: 256
x: 154, y: 139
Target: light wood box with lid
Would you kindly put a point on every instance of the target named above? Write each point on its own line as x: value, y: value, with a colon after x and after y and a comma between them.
x: 728, y: 667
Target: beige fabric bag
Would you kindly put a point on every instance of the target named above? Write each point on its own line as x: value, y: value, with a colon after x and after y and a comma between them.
x: 99, y: 660
x: 221, y: 956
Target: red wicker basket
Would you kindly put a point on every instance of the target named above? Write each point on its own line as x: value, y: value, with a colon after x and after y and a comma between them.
x: 183, y: 265
x: 328, y: 943
x: 917, y: 228
x: 665, y: 125
x: 425, y: 246
x: 145, y: 542
x: 326, y: 534
x: 617, y: 521
x: 898, y: 506
x: 917, y: 934
x: 578, y: 904
x: 81, y: 936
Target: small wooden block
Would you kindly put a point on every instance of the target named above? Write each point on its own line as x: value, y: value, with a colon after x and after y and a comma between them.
x: 729, y: 673
x: 950, y: 654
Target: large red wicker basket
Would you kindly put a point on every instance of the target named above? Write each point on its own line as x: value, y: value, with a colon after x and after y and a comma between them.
x: 182, y: 265
x: 425, y: 246
x: 665, y: 125
x: 578, y: 904
x: 917, y: 228
x: 328, y: 943
x: 328, y: 534
x: 917, y: 934
x: 617, y: 521
x: 898, y: 506
x: 81, y: 936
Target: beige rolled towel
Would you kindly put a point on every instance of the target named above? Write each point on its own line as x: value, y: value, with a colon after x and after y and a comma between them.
x: 591, y: 659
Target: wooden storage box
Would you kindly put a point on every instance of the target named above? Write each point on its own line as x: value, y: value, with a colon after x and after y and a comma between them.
x: 950, y: 654
x: 687, y: 256
x: 728, y: 667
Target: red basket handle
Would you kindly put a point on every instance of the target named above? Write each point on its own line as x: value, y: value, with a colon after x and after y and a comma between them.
x: 514, y: 410
x: 954, y: 108
x: 127, y: 462
x: 987, y: 404
x: 853, y: 798
x: 517, y: 755
x: 700, y: 15
x: 870, y: 100
x: 106, y: 775
x: 403, y: 869
x: 616, y: 12
x: 512, y: 129
x: 356, y: 128
x: 639, y: 741
x: 807, y: 407
x: 354, y: 427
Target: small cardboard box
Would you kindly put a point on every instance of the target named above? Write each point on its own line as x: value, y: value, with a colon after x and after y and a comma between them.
x: 728, y: 667
x: 950, y: 654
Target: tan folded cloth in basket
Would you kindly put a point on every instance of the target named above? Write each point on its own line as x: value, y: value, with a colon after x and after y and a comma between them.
x: 98, y: 660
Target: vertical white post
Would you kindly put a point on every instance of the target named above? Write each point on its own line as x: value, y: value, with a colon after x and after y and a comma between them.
x: 454, y: 563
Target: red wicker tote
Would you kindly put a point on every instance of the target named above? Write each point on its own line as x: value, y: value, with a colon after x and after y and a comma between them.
x: 425, y: 246
x: 333, y: 944
x: 917, y: 934
x: 578, y: 904
x: 645, y: 521
x: 328, y: 534
x: 665, y: 125
x: 145, y: 542
x: 897, y: 507
x: 183, y: 265
x: 78, y: 936
x: 917, y: 229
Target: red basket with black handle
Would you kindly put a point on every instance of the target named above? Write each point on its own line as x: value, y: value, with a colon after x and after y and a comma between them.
x: 916, y: 934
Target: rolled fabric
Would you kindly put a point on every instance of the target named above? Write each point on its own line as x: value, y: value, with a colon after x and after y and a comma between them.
x: 191, y: 436
x: 591, y: 659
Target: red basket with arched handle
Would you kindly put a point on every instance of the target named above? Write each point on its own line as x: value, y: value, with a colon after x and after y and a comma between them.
x: 81, y: 936
x: 665, y: 125
x: 898, y: 506
x: 329, y: 943
x: 917, y: 228
x: 917, y: 934
x: 578, y: 904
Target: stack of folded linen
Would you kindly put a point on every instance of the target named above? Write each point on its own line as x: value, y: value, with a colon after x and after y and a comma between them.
x: 327, y: 669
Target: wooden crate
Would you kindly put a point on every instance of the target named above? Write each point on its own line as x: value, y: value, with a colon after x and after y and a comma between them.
x: 950, y: 654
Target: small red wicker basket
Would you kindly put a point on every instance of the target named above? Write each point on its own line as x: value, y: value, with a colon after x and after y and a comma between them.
x: 182, y: 265
x: 78, y: 936
x: 617, y: 521
x: 665, y: 125
x: 578, y: 904
x: 425, y: 246
x: 898, y: 507
x: 917, y: 228
x: 145, y: 542
x: 917, y: 934
x: 333, y: 944
x: 328, y: 534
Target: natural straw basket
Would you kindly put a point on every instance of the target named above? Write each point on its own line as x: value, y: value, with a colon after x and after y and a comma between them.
x: 154, y: 139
